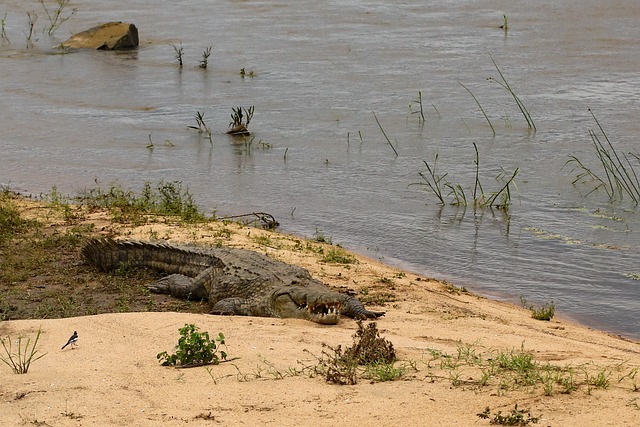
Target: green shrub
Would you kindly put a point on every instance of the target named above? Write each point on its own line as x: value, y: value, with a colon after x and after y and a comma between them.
x: 194, y: 348
x: 546, y: 312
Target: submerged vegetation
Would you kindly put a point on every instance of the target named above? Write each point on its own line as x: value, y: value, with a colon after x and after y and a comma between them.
x: 56, y: 16
x: 484, y: 113
x: 240, y: 119
x: 179, y: 50
x: 445, y: 190
x: 202, y: 127
x: 3, y: 30
x: 204, y: 62
x: 385, y: 134
x: 505, y: 84
x: 617, y: 174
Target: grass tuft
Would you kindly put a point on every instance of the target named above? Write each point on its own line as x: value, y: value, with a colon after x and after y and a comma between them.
x: 546, y: 312
x: 336, y: 255
x: 20, y: 360
x: 163, y: 198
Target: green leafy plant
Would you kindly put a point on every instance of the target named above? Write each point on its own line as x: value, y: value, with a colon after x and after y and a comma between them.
x: 383, y: 372
x: 320, y: 237
x: 194, y: 349
x: 20, y: 360
x: 516, y: 417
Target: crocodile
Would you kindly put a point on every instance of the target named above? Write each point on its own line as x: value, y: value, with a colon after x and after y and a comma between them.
x: 234, y: 281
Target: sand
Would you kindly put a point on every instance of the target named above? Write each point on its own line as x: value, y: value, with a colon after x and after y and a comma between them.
x: 112, y: 377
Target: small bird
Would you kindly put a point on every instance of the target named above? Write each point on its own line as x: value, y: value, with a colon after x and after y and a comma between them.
x: 73, y: 340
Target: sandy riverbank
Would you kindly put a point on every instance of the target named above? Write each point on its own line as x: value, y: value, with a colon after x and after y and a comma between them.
x: 113, y: 377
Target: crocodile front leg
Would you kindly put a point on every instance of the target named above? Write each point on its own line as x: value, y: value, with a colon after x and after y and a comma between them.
x: 232, y: 306
x: 353, y: 308
x: 180, y: 286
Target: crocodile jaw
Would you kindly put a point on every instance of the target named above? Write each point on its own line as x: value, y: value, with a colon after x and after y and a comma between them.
x: 327, y: 314
x: 296, y: 304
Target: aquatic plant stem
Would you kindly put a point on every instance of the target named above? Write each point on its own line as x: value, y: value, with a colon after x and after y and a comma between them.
x: 384, y: 133
x: 505, y: 84
x: 618, y: 179
x: 477, y: 184
x: 625, y: 179
x: 481, y: 109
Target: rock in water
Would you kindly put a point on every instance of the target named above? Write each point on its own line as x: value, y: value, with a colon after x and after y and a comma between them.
x: 109, y: 36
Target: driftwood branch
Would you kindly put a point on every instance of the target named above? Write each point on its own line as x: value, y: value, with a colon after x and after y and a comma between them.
x: 268, y: 221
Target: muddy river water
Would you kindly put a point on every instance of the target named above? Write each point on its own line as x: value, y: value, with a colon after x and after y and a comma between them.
x: 316, y: 72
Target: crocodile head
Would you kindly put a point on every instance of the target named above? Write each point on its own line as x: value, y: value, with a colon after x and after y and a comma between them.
x: 311, y: 304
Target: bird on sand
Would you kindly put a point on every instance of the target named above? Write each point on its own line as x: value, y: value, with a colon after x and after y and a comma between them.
x: 72, y: 340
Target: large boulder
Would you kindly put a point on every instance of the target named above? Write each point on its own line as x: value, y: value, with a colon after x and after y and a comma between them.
x: 109, y: 36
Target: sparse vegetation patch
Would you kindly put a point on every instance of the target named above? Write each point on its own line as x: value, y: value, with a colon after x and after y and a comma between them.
x: 374, y: 353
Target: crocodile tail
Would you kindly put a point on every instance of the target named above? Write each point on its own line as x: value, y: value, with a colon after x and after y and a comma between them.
x: 109, y: 254
x: 106, y: 254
